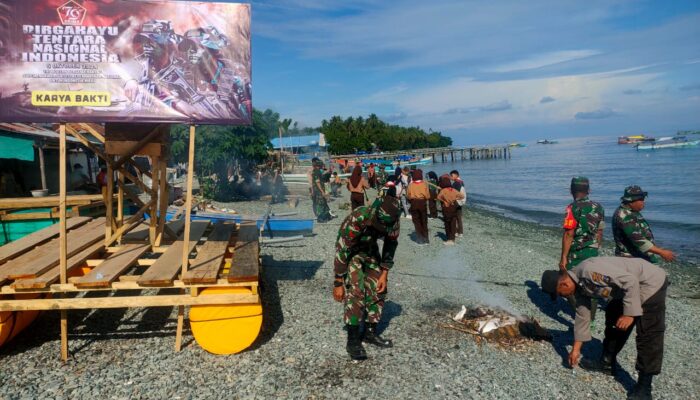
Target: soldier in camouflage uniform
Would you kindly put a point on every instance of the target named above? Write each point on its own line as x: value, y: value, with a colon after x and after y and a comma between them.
x: 583, y: 226
x: 633, y: 236
x: 318, y: 193
x: 361, y: 269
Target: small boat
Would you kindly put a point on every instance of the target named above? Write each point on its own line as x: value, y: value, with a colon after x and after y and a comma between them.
x: 634, y: 139
x: 674, y: 141
x: 547, y: 141
x: 274, y: 223
x: 517, y: 145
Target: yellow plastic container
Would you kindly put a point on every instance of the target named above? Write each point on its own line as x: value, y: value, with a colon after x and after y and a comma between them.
x: 226, y: 329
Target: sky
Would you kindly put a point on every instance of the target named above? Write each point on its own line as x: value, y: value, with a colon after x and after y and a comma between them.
x: 482, y: 71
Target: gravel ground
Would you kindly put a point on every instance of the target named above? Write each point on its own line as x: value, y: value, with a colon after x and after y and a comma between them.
x: 301, y: 351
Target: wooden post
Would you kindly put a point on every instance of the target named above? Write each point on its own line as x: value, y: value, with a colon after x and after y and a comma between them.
x: 163, y: 207
x: 42, y: 165
x: 186, y: 247
x: 63, y: 239
x: 108, y: 201
x: 120, y: 200
x: 153, y: 225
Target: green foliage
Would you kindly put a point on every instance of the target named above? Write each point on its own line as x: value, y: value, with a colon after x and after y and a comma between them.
x: 359, y: 134
x: 219, y: 148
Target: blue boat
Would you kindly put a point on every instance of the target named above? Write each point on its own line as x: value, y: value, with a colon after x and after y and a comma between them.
x: 274, y: 223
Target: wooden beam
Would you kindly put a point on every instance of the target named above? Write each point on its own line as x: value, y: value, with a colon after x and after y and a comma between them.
x: 132, y: 223
x: 110, y: 161
x: 81, y: 303
x: 42, y: 165
x: 141, y: 143
x: 109, y: 222
x: 188, y: 198
x: 63, y: 235
x: 93, y: 130
x: 188, y: 223
x: 153, y: 220
x: 49, y: 201
x: 163, y: 206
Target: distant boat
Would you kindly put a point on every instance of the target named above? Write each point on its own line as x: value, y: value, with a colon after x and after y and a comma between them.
x: 517, y: 145
x: 547, y: 141
x: 673, y: 141
x: 633, y: 139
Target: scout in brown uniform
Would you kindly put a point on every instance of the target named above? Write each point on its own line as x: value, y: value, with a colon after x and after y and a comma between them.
x: 418, y: 195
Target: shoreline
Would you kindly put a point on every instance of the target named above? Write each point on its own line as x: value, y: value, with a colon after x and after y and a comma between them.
x: 301, y: 351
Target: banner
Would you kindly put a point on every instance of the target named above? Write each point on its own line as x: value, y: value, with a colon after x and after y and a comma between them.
x: 125, y: 61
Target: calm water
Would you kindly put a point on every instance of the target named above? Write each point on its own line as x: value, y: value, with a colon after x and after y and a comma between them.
x: 534, y: 185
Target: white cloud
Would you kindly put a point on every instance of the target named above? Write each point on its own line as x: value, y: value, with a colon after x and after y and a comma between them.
x: 542, y: 60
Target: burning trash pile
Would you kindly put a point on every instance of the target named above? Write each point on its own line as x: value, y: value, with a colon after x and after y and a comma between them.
x: 497, y: 326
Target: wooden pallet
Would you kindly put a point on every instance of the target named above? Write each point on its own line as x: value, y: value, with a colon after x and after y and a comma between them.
x: 135, y: 266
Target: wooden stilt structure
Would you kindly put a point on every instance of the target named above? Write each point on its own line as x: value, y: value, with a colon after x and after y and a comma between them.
x: 121, y: 252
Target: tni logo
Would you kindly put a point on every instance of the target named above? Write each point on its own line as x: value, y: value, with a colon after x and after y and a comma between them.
x: 71, y: 13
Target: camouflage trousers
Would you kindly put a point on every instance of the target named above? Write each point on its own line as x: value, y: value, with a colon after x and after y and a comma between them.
x: 577, y: 256
x: 361, y: 297
x: 321, y: 209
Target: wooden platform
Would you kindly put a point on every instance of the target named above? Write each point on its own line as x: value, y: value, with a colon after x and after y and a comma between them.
x: 221, y: 255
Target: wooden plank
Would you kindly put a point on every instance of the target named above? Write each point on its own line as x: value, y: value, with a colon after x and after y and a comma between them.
x: 205, y: 267
x: 109, y: 271
x: 245, y: 264
x: 23, y: 245
x: 52, y: 275
x: 48, y: 201
x: 164, y: 271
x: 140, y: 233
x: 47, y: 256
x: 126, y: 282
x: 82, y: 303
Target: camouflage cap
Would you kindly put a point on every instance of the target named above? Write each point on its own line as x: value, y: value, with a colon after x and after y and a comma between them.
x: 633, y: 193
x: 579, y: 184
x: 579, y: 180
x: 387, y: 213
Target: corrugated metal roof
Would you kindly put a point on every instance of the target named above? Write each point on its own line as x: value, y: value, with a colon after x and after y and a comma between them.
x: 33, y: 130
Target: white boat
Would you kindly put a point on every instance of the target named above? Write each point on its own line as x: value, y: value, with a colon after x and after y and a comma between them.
x: 675, y: 141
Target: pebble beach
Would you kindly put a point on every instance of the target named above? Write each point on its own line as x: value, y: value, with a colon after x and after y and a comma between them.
x: 300, y: 353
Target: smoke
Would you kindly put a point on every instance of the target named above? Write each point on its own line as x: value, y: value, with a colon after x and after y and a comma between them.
x: 452, y: 263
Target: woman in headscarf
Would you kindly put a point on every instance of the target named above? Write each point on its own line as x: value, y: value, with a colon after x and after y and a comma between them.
x: 357, y: 185
x: 448, y: 196
x: 418, y: 195
x: 434, y: 188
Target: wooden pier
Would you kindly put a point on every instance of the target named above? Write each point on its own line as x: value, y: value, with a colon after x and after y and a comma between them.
x: 440, y: 154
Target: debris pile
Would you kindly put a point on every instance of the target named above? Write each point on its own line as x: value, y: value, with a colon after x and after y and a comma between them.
x: 497, y: 326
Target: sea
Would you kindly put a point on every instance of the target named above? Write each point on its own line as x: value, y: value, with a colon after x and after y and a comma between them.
x: 533, y: 185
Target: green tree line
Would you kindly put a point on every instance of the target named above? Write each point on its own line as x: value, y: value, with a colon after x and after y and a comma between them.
x: 346, y: 136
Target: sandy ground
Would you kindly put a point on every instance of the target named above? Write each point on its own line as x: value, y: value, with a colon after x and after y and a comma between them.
x: 301, y: 350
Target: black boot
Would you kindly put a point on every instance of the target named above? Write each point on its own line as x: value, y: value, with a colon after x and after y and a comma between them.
x: 372, y: 337
x: 606, y: 364
x: 354, y: 347
x: 642, y: 389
